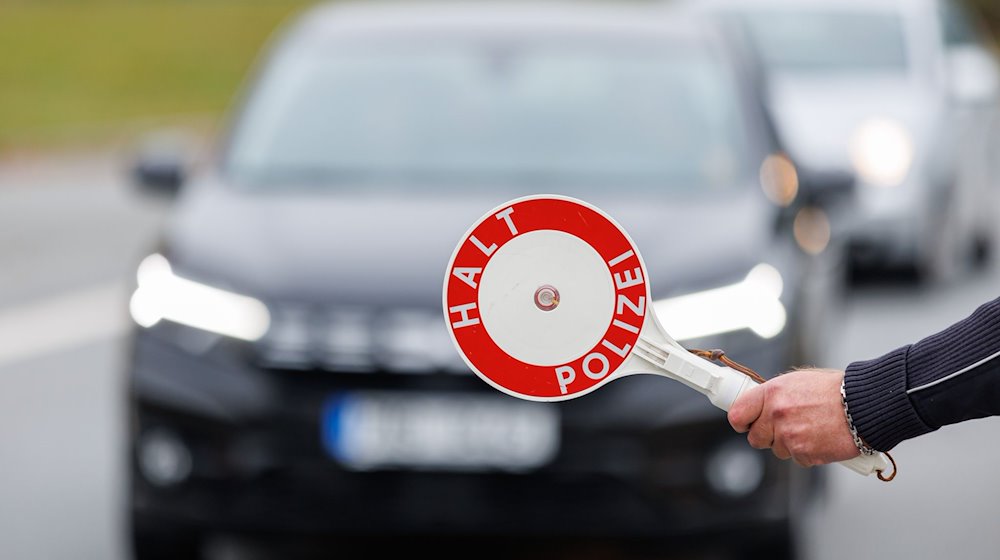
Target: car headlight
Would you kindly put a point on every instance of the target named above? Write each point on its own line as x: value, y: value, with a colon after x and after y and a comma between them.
x: 881, y: 151
x: 164, y: 295
x: 753, y: 303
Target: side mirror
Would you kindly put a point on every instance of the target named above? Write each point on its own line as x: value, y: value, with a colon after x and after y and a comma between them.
x: 829, y: 190
x: 972, y: 74
x: 825, y: 188
x: 162, y: 162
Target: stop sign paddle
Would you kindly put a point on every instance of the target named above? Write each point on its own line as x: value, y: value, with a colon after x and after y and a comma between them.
x: 547, y: 298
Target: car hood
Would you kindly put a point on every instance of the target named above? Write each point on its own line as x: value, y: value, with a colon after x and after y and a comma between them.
x: 817, y: 116
x: 385, y: 249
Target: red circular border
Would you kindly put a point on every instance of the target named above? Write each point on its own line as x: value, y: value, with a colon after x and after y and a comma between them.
x: 533, y: 214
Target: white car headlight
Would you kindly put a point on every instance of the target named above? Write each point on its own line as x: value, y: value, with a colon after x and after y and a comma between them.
x: 163, y: 295
x: 753, y: 303
x: 881, y: 151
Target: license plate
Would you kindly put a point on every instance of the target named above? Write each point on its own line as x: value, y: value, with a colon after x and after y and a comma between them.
x: 379, y: 430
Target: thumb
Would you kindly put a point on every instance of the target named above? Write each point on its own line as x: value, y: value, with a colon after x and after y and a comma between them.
x: 746, y: 408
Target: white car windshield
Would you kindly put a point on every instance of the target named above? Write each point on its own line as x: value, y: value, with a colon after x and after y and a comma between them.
x: 814, y: 41
x: 467, y: 113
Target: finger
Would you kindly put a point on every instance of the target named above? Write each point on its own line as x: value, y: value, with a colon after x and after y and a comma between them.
x: 780, y: 450
x: 761, y: 434
x: 746, y: 409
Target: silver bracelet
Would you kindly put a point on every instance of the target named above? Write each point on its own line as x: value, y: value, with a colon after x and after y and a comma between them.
x: 863, y: 447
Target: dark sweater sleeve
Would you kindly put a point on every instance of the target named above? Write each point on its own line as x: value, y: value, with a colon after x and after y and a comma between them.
x: 948, y: 377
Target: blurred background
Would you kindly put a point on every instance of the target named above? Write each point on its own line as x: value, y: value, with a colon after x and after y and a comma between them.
x: 225, y: 223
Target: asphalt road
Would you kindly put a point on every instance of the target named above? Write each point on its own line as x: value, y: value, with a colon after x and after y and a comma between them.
x: 72, y: 233
x: 945, y: 502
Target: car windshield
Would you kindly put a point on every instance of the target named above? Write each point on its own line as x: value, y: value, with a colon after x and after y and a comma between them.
x: 835, y: 41
x: 647, y: 115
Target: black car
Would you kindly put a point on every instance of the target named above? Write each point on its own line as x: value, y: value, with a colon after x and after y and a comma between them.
x: 291, y: 375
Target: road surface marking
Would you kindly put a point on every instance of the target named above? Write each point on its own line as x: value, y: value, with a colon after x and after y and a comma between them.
x: 42, y: 327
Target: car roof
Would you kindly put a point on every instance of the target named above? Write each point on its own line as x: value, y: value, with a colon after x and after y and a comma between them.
x: 506, y: 19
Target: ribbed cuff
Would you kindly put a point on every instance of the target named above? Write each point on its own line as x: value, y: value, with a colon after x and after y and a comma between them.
x: 876, y: 396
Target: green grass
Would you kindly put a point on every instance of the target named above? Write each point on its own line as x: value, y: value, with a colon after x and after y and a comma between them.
x: 75, y: 71
x: 72, y: 65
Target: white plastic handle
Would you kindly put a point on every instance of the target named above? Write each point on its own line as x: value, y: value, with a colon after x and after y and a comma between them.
x: 868, y: 464
x: 722, y: 385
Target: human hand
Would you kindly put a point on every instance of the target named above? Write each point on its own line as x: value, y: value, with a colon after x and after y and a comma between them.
x: 798, y: 415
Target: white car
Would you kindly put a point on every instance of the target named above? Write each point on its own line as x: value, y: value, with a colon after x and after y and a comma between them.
x: 904, y: 94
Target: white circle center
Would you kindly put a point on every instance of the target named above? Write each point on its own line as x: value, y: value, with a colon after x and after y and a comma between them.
x: 507, y: 292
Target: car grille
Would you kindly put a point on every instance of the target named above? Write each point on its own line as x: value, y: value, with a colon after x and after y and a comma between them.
x: 345, y: 339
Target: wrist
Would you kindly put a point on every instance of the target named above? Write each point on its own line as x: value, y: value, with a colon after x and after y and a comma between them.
x: 859, y: 442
